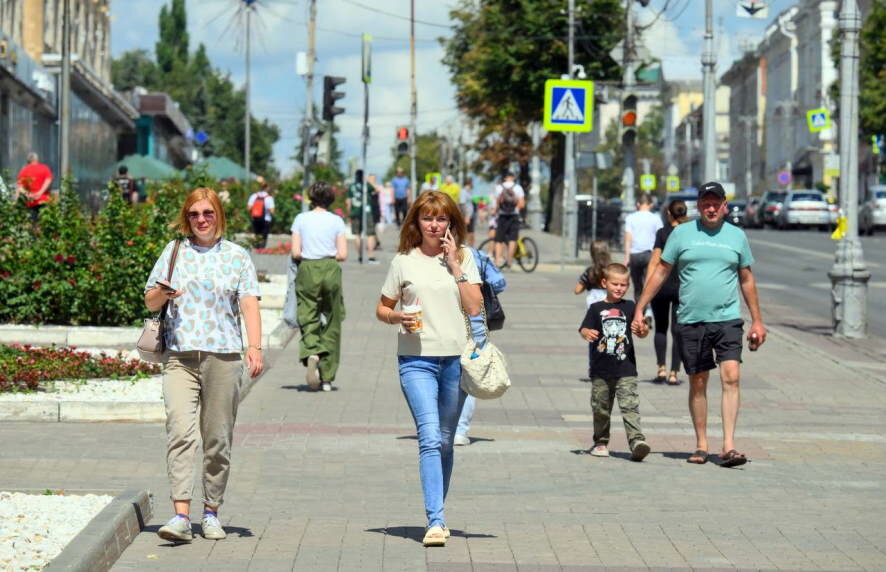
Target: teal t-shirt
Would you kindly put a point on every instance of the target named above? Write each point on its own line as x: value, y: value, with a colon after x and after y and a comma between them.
x: 707, y: 262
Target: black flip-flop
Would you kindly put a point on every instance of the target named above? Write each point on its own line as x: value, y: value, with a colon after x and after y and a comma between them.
x: 732, y: 458
x: 698, y: 454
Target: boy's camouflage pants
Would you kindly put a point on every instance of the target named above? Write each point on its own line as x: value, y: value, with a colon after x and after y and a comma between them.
x: 604, y: 391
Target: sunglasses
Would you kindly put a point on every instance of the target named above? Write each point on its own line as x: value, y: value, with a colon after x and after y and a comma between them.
x: 208, y: 215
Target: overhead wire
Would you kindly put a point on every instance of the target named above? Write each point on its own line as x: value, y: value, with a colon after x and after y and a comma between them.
x: 395, y: 15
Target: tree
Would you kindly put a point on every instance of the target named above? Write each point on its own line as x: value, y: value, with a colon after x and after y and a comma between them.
x: 501, y: 53
x: 172, y: 47
x: 133, y: 69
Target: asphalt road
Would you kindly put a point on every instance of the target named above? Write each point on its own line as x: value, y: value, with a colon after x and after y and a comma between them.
x: 791, y: 269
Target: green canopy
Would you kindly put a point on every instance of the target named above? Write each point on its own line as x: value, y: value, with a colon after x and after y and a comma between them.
x: 222, y: 168
x: 146, y: 167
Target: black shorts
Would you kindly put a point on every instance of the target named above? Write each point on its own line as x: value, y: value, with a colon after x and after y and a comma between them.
x: 507, y: 228
x: 699, y: 341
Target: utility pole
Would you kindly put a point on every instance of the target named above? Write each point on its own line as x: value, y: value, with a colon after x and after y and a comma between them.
x: 849, y: 275
x: 628, y: 204
x: 247, y: 147
x: 534, y: 207
x: 709, y: 119
x: 65, y: 88
x: 413, y: 108
x: 749, y: 122
x: 569, y: 224
x: 309, y: 107
x: 367, y: 78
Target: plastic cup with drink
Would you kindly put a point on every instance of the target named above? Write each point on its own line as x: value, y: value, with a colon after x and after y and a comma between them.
x: 417, y: 326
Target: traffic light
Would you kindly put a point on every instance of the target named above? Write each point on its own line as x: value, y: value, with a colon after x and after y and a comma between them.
x: 330, y: 96
x: 629, y: 119
x: 402, y: 146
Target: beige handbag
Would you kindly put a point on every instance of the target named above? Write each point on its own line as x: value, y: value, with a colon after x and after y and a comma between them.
x: 152, y: 343
x: 484, y: 372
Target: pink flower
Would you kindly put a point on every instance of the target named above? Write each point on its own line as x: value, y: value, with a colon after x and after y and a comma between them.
x: 339, y: 212
x: 71, y: 260
x: 129, y: 243
x: 297, y: 197
x: 59, y: 258
x: 36, y: 285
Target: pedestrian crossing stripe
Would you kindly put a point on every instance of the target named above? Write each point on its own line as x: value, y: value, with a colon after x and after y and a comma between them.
x: 568, y: 105
x: 818, y: 119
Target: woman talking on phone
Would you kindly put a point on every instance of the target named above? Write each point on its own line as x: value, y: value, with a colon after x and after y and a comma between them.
x: 213, y: 279
x: 436, y: 281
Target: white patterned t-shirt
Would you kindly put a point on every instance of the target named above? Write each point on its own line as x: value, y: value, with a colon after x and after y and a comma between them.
x: 206, y: 316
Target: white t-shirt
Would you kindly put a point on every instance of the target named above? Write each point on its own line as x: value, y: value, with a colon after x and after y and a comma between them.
x: 518, y: 193
x: 415, y: 278
x: 318, y: 230
x: 466, y: 201
x: 642, y: 225
x: 269, y: 202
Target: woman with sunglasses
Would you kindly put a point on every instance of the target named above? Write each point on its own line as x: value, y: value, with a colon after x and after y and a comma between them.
x: 433, y: 271
x: 213, y: 281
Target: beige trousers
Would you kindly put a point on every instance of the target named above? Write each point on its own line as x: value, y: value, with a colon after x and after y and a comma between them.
x: 207, y: 385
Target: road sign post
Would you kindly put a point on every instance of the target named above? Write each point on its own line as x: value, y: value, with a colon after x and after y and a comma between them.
x: 672, y: 183
x: 647, y: 182
x: 818, y: 120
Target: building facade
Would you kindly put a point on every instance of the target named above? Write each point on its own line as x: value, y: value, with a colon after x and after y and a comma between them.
x: 690, y: 144
x: 746, y: 79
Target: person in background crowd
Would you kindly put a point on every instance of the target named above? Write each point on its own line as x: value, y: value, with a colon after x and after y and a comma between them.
x: 433, y: 272
x: 126, y: 184
x: 713, y: 261
x: 468, y: 211
x: 213, y: 279
x: 402, y: 187
x: 451, y: 188
x: 33, y: 181
x: 666, y: 301
x: 354, y: 207
x: 319, y: 244
x: 640, y: 228
x: 261, y: 210
x: 509, y: 201
x: 374, y: 192
x: 224, y: 194
x: 386, y: 202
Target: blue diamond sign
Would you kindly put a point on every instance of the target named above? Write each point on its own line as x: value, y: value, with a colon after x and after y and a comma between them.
x: 569, y: 105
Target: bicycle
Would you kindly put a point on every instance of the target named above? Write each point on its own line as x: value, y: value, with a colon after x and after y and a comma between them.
x: 526, y: 253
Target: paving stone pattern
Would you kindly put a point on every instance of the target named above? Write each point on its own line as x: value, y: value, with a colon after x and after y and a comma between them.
x: 329, y: 481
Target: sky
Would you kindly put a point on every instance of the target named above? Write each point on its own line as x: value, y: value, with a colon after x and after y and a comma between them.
x: 280, y: 32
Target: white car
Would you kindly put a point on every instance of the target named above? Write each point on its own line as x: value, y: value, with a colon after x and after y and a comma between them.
x: 873, y: 211
x: 805, y: 207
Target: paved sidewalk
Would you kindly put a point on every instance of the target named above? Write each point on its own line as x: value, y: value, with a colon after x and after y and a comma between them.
x: 329, y: 481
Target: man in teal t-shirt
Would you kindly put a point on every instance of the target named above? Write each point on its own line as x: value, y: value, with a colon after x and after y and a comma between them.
x: 713, y: 260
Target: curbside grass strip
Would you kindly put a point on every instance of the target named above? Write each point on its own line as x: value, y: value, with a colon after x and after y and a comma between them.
x: 98, y: 546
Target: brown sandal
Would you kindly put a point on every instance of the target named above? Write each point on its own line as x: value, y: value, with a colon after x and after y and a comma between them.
x: 732, y: 458
x: 672, y: 378
x: 700, y: 456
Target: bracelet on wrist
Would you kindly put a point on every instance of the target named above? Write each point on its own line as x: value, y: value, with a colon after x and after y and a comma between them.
x: 256, y: 346
x: 390, y: 313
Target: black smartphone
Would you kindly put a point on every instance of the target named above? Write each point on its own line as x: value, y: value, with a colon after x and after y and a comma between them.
x: 165, y: 286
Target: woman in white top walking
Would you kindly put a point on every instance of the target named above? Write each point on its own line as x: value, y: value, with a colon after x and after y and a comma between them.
x: 433, y: 271
x: 319, y: 243
x: 212, y: 281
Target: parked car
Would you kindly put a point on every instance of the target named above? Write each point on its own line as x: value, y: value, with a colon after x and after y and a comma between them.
x: 753, y: 213
x: 873, y: 211
x: 806, y: 207
x: 736, y: 214
x: 772, y: 203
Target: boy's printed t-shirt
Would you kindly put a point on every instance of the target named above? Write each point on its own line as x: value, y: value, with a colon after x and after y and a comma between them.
x: 614, y: 349
x: 707, y: 264
x: 206, y: 317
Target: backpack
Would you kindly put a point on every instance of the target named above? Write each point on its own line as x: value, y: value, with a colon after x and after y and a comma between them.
x: 508, y: 202
x: 258, y: 208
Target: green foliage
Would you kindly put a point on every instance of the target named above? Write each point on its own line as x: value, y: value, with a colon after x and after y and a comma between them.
x: 24, y: 367
x: 427, y: 158
x: 206, y: 96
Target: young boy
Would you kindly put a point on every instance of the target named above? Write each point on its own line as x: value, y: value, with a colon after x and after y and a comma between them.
x: 607, y: 327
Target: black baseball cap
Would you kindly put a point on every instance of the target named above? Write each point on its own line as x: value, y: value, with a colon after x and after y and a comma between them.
x: 712, y: 187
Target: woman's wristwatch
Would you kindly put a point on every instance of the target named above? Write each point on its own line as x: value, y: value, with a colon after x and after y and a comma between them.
x: 462, y: 278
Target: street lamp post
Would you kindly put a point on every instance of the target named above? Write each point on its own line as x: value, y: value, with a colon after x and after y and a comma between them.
x: 849, y: 275
x: 708, y: 64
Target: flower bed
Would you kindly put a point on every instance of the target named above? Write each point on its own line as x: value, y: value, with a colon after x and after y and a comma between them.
x: 24, y: 367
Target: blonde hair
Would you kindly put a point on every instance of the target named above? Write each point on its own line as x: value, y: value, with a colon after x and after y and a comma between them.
x: 183, y: 224
x: 433, y: 203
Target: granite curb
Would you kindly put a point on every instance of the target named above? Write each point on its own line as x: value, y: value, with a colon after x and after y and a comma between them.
x: 98, y: 546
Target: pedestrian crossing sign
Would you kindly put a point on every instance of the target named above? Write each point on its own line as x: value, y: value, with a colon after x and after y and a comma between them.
x: 672, y: 183
x: 569, y: 105
x: 647, y: 182
x: 818, y: 120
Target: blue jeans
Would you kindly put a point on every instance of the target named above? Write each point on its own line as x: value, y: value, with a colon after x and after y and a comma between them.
x: 431, y: 387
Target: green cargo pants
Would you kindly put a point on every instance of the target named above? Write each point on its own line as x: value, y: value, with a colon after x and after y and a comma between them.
x: 318, y: 290
x: 604, y: 391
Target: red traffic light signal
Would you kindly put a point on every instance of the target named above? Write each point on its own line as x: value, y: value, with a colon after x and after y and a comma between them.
x: 402, y: 133
x: 629, y: 118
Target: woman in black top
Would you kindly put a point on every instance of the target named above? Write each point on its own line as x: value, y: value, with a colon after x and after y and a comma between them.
x: 664, y: 305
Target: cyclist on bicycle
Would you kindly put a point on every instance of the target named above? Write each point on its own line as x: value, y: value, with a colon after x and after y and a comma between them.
x: 507, y: 202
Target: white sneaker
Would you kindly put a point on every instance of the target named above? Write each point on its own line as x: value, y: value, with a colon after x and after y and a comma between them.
x: 178, y: 529
x: 461, y: 439
x: 600, y: 450
x: 647, y: 317
x: 326, y: 386
x: 312, y: 376
x: 212, y: 528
